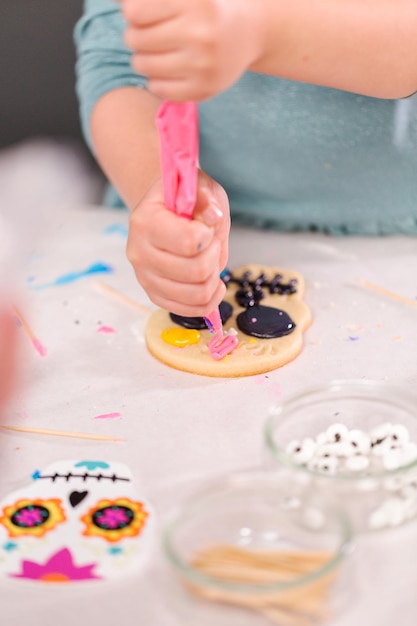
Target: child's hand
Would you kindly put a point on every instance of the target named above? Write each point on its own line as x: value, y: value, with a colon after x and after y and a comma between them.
x: 7, y: 355
x: 192, y: 49
x: 178, y: 261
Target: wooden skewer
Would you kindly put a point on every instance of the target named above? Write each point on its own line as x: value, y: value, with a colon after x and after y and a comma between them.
x: 299, y: 560
x: 58, y: 433
x: 301, y: 606
x: 386, y: 292
x: 120, y: 296
x: 39, y: 347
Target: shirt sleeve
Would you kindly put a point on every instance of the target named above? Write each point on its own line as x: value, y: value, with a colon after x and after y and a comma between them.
x: 103, y: 61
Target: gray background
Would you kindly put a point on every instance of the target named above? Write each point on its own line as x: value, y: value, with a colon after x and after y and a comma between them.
x: 37, y: 70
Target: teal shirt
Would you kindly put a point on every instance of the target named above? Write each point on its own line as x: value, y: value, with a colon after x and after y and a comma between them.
x: 291, y: 156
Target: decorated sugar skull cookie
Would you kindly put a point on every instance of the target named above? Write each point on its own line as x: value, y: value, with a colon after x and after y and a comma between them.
x: 263, y: 307
x: 77, y: 521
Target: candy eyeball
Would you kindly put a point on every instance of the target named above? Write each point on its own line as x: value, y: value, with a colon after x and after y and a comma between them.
x: 327, y: 450
x: 325, y: 465
x: 359, y: 440
x: 393, y: 459
x: 381, y: 432
x: 400, y: 434
x: 367, y: 456
x: 336, y: 433
x: 322, y: 439
x: 380, y: 447
x: 357, y: 463
x: 301, y: 451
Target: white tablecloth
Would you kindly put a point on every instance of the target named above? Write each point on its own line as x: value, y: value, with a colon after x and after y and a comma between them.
x: 181, y: 428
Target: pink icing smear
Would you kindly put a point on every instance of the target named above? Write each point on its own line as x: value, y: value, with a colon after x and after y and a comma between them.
x: 39, y: 347
x: 106, y: 329
x: 106, y: 416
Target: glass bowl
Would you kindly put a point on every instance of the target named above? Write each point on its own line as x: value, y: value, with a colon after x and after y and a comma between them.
x: 354, y: 444
x: 247, y: 555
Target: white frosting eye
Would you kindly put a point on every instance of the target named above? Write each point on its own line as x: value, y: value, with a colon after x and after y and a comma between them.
x: 393, y: 459
x: 359, y: 440
x: 381, y: 446
x: 336, y: 433
x: 327, y: 465
x: 346, y: 449
x: 387, y: 447
x: 381, y: 432
x: 327, y: 450
x: 321, y: 439
x: 302, y: 451
x: 400, y: 434
x: 357, y: 463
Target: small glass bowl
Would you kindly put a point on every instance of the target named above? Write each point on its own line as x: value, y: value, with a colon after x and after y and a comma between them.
x: 255, y: 512
x: 373, y: 498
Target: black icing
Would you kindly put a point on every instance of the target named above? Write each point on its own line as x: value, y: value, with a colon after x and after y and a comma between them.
x: 264, y: 322
x: 198, y: 323
x: 275, y: 287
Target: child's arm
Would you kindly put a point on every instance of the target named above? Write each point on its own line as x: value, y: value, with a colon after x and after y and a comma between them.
x: 177, y: 262
x: 193, y: 50
x: 364, y: 46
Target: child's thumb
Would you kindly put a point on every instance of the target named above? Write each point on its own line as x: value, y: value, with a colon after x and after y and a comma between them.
x: 208, y: 208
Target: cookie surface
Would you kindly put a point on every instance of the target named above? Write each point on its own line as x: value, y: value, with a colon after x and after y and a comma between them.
x: 266, y: 301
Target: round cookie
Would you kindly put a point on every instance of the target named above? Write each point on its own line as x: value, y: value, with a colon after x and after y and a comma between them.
x: 267, y: 301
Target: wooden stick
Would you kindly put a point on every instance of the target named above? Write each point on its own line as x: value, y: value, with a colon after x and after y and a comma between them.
x: 386, y: 292
x: 58, y: 433
x: 39, y: 347
x: 120, y: 296
x: 297, y: 606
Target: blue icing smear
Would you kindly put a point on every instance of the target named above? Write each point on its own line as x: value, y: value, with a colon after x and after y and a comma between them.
x: 36, y: 474
x: 10, y: 546
x: 117, y: 229
x: 92, y: 465
x: 95, y: 268
x: 115, y: 550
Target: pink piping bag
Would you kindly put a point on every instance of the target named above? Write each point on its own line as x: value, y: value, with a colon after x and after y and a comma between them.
x: 177, y: 123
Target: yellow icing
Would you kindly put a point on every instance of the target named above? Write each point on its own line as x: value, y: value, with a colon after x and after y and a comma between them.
x: 180, y: 337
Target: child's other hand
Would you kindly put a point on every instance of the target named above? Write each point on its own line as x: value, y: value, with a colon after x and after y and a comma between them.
x: 7, y: 354
x: 193, y: 49
x: 178, y: 261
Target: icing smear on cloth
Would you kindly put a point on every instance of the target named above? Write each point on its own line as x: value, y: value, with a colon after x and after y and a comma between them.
x: 94, y: 268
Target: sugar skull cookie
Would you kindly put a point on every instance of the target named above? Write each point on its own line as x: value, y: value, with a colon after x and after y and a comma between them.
x: 263, y: 306
x: 76, y: 522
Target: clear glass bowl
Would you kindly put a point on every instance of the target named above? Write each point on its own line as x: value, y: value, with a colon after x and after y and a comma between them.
x: 374, y: 497
x: 253, y: 512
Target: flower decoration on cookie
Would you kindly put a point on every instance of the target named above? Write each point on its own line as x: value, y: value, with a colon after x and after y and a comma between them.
x: 59, y: 568
x: 114, y: 520
x: 32, y: 517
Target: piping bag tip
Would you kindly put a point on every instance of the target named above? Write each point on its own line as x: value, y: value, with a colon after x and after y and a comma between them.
x: 177, y: 124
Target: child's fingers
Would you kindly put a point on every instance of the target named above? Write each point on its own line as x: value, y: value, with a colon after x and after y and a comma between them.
x: 196, y: 270
x: 193, y: 294
x: 156, y: 39
x: 148, y: 12
x: 177, y: 300
x: 167, y: 231
x: 171, y: 66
